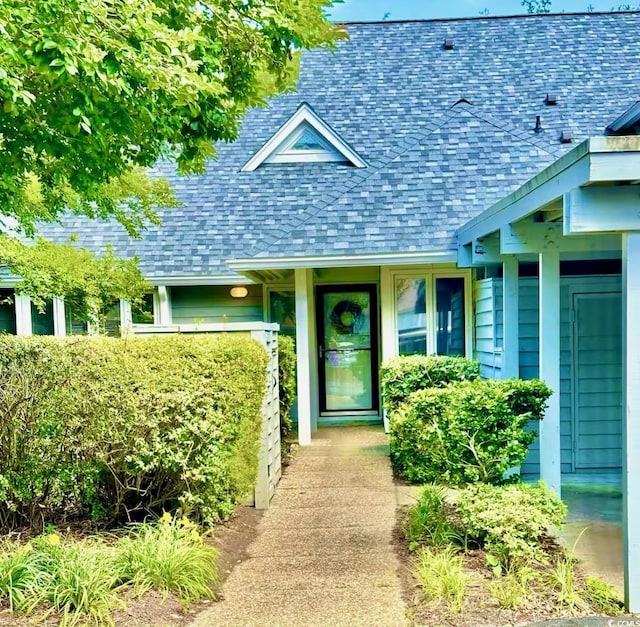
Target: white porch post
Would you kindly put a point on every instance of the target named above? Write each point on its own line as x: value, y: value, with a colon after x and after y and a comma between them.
x: 164, y: 306
x: 126, y: 316
x: 306, y: 354
x: 631, y: 430
x: 549, y: 351
x: 510, y: 316
x: 59, y: 322
x: 23, y: 315
x: 388, y: 342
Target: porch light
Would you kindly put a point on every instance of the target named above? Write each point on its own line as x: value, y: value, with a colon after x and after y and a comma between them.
x: 239, y: 291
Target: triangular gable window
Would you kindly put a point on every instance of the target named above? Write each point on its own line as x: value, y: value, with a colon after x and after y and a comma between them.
x: 305, y: 138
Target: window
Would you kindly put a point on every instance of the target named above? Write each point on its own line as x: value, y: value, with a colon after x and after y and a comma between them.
x: 144, y: 314
x: 282, y: 309
x: 7, y: 312
x: 431, y: 314
x: 42, y: 321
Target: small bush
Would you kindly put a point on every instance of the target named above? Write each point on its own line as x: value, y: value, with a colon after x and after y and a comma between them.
x: 427, y: 521
x: 510, y: 522
x: 401, y: 376
x: 287, y: 377
x: 441, y: 577
x: 170, y: 557
x: 118, y: 428
x: 465, y: 432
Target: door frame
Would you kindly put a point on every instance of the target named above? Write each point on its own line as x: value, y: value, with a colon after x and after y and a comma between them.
x: 372, y: 289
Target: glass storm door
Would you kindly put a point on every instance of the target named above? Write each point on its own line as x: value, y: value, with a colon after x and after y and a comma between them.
x: 348, y: 351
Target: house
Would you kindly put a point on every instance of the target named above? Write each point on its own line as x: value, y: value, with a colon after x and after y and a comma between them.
x: 464, y: 186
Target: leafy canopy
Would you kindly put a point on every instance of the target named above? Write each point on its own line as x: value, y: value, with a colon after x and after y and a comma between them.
x: 90, y: 90
x: 90, y: 285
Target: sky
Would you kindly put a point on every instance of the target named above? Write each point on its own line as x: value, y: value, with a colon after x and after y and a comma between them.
x: 373, y: 10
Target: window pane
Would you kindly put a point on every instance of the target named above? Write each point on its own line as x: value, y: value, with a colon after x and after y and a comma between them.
x: 411, y: 316
x: 7, y: 312
x: 73, y: 325
x: 42, y: 321
x: 450, y: 316
x: 144, y: 313
x: 282, y: 309
x: 112, y: 321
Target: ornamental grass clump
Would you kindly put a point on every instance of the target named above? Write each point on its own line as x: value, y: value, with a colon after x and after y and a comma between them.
x: 170, y: 556
x: 80, y: 582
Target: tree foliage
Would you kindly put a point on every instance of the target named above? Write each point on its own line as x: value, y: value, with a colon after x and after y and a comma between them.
x: 89, y: 284
x: 92, y: 89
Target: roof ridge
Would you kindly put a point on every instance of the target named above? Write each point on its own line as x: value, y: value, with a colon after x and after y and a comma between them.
x: 405, y: 144
x: 515, y: 132
x: 484, y: 17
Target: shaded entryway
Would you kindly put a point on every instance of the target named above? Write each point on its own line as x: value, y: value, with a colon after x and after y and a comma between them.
x: 323, y: 554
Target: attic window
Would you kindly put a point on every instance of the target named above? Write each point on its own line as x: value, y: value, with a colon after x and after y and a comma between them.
x: 305, y: 138
x: 307, y: 141
x: 305, y: 145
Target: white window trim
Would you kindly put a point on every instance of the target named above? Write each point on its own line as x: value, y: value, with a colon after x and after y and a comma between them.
x: 304, y: 116
x: 430, y: 276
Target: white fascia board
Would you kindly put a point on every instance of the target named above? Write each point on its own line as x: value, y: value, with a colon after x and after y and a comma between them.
x: 597, y: 159
x: 571, y: 170
x: 213, y: 279
x: 304, y: 114
x: 341, y: 261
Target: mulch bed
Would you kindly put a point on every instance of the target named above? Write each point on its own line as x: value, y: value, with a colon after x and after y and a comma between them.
x: 232, y: 539
x: 481, y: 610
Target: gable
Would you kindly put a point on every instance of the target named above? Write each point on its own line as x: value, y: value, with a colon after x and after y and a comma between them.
x: 305, y: 138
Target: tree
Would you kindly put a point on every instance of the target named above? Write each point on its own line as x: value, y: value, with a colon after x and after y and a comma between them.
x: 92, y: 92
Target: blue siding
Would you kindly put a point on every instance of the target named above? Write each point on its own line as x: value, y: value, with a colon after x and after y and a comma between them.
x: 595, y: 357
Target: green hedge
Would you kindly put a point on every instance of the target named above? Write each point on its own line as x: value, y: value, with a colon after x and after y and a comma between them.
x: 287, y: 381
x: 465, y: 432
x: 401, y: 376
x: 115, y: 429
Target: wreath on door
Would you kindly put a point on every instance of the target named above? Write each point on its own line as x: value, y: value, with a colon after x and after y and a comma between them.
x: 346, y: 317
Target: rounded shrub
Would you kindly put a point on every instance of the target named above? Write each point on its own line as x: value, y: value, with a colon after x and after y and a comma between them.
x: 465, y: 432
x: 120, y: 428
x: 401, y: 376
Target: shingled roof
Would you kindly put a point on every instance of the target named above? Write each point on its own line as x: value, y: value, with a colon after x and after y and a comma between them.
x: 445, y: 133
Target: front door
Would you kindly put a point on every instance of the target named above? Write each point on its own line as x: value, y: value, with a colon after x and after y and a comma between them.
x: 348, y: 349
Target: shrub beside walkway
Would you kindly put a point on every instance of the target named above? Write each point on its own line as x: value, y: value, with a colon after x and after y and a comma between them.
x: 323, y: 554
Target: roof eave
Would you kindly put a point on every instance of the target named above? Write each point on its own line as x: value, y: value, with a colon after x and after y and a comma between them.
x: 580, y: 166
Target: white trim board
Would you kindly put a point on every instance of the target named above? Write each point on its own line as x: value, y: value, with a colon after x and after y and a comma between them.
x: 278, y: 148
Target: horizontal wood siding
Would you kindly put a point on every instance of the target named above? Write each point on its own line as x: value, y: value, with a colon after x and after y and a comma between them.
x: 529, y: 358
x: 210, y: 304
x: 484, y: 319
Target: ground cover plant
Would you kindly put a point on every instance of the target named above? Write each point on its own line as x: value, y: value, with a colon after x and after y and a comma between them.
x: 486, y: 555
x: 84, y: 580
x: 117, y: 429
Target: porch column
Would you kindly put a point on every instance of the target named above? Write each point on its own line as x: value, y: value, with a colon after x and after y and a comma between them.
x: 306, y: 354
x: 631, y: 429
x: 510, y: 317
x: 23, y: 315
x: 549, y: 350
x: 164, y: 306
x: 59, y: 322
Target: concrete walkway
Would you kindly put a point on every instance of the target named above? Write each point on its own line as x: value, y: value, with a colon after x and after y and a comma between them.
x: 323, y: 553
